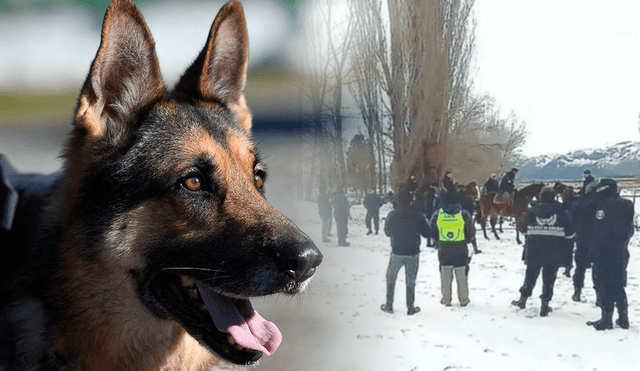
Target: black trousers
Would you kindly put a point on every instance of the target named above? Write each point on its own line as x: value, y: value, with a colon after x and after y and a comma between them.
x: 549, y: 273
x: 376, y: 220
x: 610, y: 276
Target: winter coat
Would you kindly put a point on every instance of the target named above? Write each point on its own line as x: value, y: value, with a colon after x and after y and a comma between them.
x: 586, y: 182
x: 372, y: 203
x: 546, y: 226
x: 507, y: 184
x: 454, y: 253
x: 404, y: 226
x: 491, y: 185
x: 612, y: 229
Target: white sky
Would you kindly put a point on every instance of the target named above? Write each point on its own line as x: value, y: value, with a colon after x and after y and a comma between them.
x: 569, y: 68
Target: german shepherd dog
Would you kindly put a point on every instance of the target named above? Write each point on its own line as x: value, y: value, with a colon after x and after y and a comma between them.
x: 143, y: 252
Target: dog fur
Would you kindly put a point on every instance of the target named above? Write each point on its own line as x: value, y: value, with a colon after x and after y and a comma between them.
x: 160, y: 191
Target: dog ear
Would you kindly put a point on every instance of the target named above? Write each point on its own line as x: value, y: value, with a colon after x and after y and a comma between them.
x: 124, y: 78
x: 219, y: 73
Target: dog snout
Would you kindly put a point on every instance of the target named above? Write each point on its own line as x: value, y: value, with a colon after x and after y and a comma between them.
x: 300, y: 262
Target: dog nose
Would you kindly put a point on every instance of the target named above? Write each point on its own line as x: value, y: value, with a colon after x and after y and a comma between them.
x: 300, y: 262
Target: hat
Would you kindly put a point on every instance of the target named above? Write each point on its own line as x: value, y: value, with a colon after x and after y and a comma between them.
x: 607, y: 186
x: 514, y: 169
x: 586, y: 171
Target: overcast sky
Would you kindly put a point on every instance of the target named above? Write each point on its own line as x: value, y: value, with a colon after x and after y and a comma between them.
x: 569, y: 68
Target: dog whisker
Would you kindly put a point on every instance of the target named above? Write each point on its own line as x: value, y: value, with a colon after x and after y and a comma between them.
x: 192, y: 268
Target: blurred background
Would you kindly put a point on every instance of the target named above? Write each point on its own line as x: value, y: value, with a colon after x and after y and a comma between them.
x: 47, y: 47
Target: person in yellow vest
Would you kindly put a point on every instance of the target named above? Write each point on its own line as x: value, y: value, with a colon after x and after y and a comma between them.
x: 455, y: 230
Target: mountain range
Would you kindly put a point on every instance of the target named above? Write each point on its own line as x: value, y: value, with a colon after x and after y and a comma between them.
x: 621, y: 160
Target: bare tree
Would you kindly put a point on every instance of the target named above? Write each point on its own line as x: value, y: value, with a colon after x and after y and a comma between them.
x: 365, y: 79
x: 339, y: 43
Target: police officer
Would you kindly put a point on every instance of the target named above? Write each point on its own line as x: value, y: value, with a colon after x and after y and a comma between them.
x: 583, y: 214
x: 612, y: 229
x: 546, y: 225
x: 455, y: 230
x: 508, y: 181
x: 588, y: 178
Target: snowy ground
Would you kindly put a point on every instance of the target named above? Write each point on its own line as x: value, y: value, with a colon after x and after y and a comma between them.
x: 337, y: 324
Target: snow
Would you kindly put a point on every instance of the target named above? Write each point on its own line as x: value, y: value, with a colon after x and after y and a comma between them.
x: 337, y: 323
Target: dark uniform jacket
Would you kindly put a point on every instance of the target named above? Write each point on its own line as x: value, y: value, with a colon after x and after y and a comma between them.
x: 612, y: 229
x: 405, y: 226
x: 372, y: 203
x: 507, y: 184
x: 546, y: 226
x: 491, y: 185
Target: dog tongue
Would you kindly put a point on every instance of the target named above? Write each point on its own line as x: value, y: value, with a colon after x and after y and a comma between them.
x: 242, y: 322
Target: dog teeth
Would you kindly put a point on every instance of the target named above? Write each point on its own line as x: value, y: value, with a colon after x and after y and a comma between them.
x: 186, y: 281
x: 233, y: 343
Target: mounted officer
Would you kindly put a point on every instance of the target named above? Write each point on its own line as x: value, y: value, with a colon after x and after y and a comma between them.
x: 588, y: 178
x: 507, y: 186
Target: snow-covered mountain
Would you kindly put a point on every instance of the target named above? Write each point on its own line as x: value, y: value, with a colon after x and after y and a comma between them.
x: 618, y: 160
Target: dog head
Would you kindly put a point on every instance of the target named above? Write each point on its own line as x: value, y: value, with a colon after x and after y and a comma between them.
x: 170, y: 188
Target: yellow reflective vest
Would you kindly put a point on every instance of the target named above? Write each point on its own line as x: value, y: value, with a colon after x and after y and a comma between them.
x: 450, y: 227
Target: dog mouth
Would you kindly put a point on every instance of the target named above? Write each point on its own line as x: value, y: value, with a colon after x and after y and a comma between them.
x: 228, y: 326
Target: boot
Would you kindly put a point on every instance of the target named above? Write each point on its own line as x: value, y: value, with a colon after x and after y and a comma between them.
x: 576, y: 294
x: 446, y: 279
x: 623, y: 316
x: 545, y: 309
x: 411, y: 294
x: 463, y: 287
x: 388, y: 306
x: 520, y: 303
x: 603, y: 323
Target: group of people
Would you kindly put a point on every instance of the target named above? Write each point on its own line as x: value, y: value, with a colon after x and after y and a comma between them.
x: 595, y: 219
x: 452, y: 227
x: 601, y: 224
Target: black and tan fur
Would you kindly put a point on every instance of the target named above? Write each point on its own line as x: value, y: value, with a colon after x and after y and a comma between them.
x: 158, y: 187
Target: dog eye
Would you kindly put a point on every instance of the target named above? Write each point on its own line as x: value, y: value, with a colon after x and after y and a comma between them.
x: 193, y: 183
x: 259, y: 180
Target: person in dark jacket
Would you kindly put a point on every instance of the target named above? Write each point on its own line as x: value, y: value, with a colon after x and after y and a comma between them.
x: 583, y: 214
x: 325, y: 209
x: 448, y: 184
x: 546, y: 225
x: 492, y: 185
x: 468, y: 204
x: 372, y: 202
x: 404, y: 225
x: 508, y: 182
x: 341, y: 214
x: 455, y: 230
x: 588, y: 179
x: 612, y: 230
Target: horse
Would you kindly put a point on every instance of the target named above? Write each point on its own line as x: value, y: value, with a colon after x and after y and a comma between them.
x: 487, y: 208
